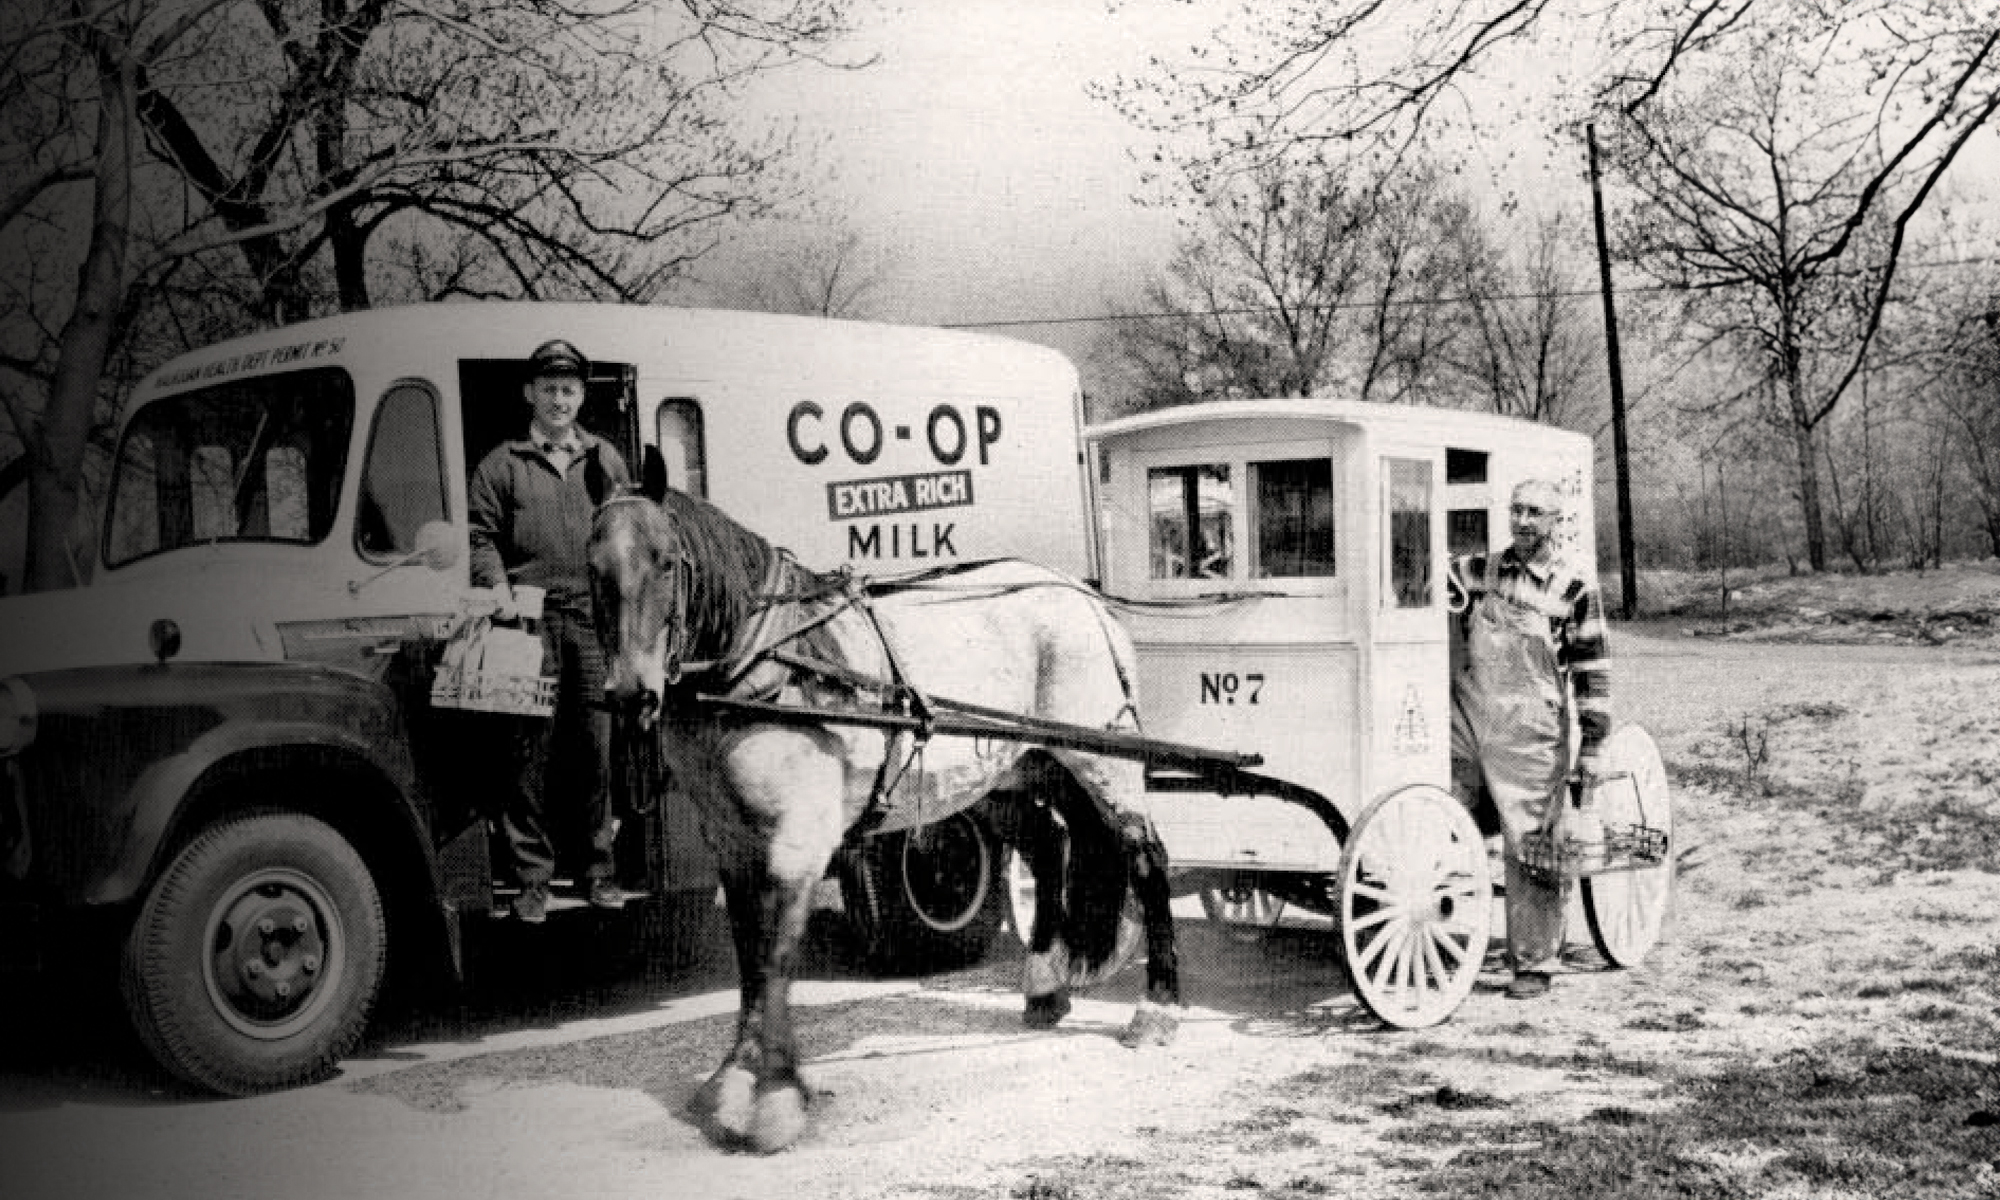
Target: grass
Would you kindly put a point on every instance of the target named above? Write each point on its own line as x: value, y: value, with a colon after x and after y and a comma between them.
x: 1778, y: 759
x: 1902, y: 1099
x: 1851, y: 1115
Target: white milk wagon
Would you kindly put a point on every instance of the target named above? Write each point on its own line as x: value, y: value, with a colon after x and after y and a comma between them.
x: 1282, y: 566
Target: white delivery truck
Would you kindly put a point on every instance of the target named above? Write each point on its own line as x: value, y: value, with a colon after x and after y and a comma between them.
x: 224, y: 749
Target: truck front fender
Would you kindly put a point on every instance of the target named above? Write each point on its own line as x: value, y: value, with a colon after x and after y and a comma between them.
x: 124, y: 752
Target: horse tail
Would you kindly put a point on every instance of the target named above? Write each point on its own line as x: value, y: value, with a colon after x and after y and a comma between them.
x: 1100, y: 861
x: 1094, y: 881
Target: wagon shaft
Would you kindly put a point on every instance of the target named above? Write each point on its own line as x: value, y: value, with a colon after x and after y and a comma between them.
x: 953, y: 719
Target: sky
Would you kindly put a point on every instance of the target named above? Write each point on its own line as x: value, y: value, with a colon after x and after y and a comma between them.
x: 971, y: 155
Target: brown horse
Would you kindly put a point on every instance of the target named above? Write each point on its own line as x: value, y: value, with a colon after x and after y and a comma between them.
x: 689, y: 602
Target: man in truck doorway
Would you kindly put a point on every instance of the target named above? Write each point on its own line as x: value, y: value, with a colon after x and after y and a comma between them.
x: 531, y: 505
x: 1533, y: 659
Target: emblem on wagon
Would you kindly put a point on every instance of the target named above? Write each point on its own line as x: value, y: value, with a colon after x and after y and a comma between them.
x: 1413, y: 732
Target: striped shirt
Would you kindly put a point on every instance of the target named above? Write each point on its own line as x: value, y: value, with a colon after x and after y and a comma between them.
x: 1576, y: 626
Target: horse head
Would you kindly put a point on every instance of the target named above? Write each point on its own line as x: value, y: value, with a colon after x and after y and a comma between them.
x: 638, y: 584
x: 672, y: 579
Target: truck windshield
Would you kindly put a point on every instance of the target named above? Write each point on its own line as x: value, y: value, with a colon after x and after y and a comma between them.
x: 255, y: 460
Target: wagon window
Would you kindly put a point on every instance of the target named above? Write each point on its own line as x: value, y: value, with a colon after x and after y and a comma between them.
x: 1408, y: 509
x: 1192, y: 513
x: 1292, y: 521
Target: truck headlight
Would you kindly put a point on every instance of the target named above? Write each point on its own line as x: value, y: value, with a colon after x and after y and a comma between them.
x: 17, y: 715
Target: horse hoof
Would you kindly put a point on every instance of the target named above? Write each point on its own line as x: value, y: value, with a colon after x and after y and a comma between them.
x: 1044, y: 1012
x: 735, y: 1102
x: 779, y: 1120
x: 1152, y: 1025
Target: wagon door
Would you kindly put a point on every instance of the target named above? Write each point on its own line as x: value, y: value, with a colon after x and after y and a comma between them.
x: 1407, y: 681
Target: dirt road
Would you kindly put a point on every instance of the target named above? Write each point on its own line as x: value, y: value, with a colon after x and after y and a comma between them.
x: 1809, y: 917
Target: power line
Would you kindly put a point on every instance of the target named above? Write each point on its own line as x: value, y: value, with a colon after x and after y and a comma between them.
x: 1400, y: 302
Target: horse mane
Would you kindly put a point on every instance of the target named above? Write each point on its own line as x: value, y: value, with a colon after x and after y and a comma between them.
x: 730, y: 568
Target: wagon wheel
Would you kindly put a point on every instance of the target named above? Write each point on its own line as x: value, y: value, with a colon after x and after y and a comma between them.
x: 1626, y: 908
x: 1241, y: 907
x: 1414, y: 906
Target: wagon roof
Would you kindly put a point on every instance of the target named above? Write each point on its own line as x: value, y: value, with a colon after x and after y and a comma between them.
x: 1444, y: 425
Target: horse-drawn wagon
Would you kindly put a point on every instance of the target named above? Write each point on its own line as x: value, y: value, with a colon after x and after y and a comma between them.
x: 1283, y: 568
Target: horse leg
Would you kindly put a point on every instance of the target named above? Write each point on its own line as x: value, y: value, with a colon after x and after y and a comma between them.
x: 1157, y: 1018
x: 789, y: 786
x: 727, y: 1098
x: 779, y: 1114
x: 1044, y: 972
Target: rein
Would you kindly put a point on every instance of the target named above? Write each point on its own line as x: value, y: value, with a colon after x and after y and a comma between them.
x: 765, y: 638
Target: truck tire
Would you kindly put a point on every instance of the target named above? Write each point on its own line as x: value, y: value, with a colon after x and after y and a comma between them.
x: 929, y: 899
x: 258, y: 955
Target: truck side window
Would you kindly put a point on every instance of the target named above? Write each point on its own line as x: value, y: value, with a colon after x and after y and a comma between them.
x: 1406, y: 507
x: 402, y: 483
x: 1192, y: 512
x: 680, y: 438
x: 1291, y: 523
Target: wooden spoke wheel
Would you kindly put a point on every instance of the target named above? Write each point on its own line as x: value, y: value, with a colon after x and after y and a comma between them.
x: 1415, y: 906
x: 1625, y: 908
x: 1241, y: 908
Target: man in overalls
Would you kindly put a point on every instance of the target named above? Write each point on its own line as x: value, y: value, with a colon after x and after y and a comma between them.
x: 1533, y: 652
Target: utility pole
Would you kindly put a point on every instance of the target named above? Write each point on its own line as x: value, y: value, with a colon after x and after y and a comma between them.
x: 1620, y: 453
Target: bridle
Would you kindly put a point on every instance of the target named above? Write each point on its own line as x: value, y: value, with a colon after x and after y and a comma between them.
x: 673, y: 635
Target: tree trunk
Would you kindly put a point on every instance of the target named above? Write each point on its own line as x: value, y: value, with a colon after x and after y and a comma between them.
x: 55, y: 474
x: 350, y: 259
x: 1802, y: 440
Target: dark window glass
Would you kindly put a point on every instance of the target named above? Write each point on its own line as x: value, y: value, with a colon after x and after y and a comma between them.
x: 1292, y: 524
x: 1191, y: 514
x: 1464, y: 466
x: 1408, y: 483
x: 1466, y: 530
x: 403, y: 484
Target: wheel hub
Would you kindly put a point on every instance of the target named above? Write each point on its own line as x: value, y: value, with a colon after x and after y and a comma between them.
x: 270, y: 953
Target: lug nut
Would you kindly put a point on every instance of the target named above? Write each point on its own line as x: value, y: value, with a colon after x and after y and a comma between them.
x: 300, y: 925
x: 309, y: 963
x: 254, y: 968
x: 282, y: 988
x: 267, y: 927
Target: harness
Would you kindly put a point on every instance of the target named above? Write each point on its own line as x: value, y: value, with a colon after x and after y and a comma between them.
x: 784, y: 613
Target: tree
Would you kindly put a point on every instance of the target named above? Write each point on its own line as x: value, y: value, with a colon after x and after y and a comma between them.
x: 1298, y: 283
x: 302, y: 154
x: 1784, y: 217
x: 1897, y: 89
x: 1522, y: 349
x: 1967, y: 389
x: 836, y: 274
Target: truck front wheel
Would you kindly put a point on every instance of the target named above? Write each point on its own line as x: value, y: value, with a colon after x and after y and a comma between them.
x: 257, y: 957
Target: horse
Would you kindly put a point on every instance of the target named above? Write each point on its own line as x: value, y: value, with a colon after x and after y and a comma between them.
x: 691, y: 605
